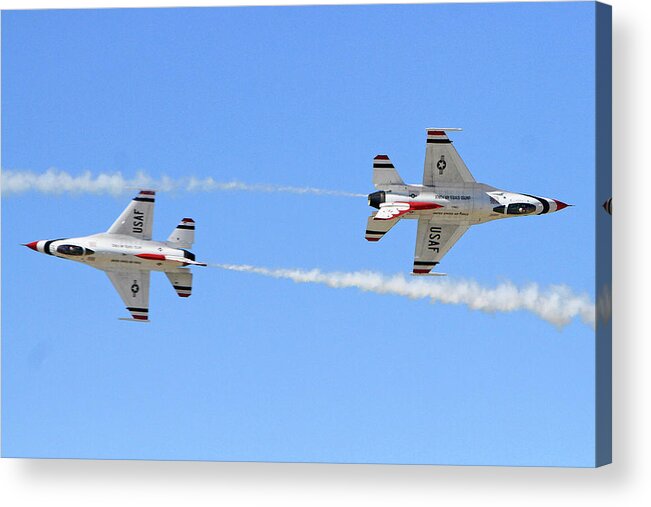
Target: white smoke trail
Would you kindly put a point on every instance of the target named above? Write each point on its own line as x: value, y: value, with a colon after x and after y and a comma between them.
x: 556, y: 304
x: 54, y: 181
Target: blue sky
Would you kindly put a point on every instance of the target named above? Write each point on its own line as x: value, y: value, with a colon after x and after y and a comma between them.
x: 251, y: 368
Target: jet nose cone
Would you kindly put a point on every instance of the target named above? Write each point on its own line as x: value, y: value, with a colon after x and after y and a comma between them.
x: 560, y: 205
x: 31, y: 245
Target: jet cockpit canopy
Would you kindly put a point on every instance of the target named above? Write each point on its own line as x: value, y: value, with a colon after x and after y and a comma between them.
x: 74, y: 250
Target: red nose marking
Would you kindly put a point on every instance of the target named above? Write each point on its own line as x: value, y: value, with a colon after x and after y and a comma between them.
x: 560, y: 205
x: 31, y: 245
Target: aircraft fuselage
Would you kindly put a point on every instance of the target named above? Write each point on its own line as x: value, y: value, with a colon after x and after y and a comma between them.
x: 465, y: 203
x: 117, y: 252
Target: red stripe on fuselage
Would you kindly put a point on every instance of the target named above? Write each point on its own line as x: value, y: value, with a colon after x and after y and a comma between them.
x: 423, y: 205
x: 151, y: 257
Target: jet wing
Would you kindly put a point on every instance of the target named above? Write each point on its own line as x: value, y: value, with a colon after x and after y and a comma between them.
x: 137, y: 220
x: 433, y: 242
x: 133, y: 287
x: 443, y: 165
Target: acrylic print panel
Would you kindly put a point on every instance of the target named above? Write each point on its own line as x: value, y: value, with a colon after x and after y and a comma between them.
x: 302, y: 341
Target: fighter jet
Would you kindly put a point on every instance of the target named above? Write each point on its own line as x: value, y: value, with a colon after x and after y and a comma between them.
x: 447, y: 203
x: 127, y: 254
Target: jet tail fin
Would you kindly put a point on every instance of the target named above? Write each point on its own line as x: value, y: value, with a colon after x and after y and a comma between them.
x: 384, y: 174
x: 183, y: 235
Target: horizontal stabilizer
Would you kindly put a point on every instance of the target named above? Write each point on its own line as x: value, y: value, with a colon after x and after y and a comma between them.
x: 429, y: 274
x: 181, y: 281
x: 376, y: 229
x: 134, y: 320
x: 384, y: 174
x: 183, y: 235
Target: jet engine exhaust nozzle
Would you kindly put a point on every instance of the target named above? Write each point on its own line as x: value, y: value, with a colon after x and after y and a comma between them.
x: 377, y: 198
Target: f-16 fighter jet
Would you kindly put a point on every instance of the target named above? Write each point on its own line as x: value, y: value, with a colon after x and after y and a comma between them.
x: 447, y: 203
x: 127, y: 254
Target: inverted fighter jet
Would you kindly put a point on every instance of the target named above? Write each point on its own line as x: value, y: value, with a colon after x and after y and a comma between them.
x: 127, y: 254
x: 447, y: 203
